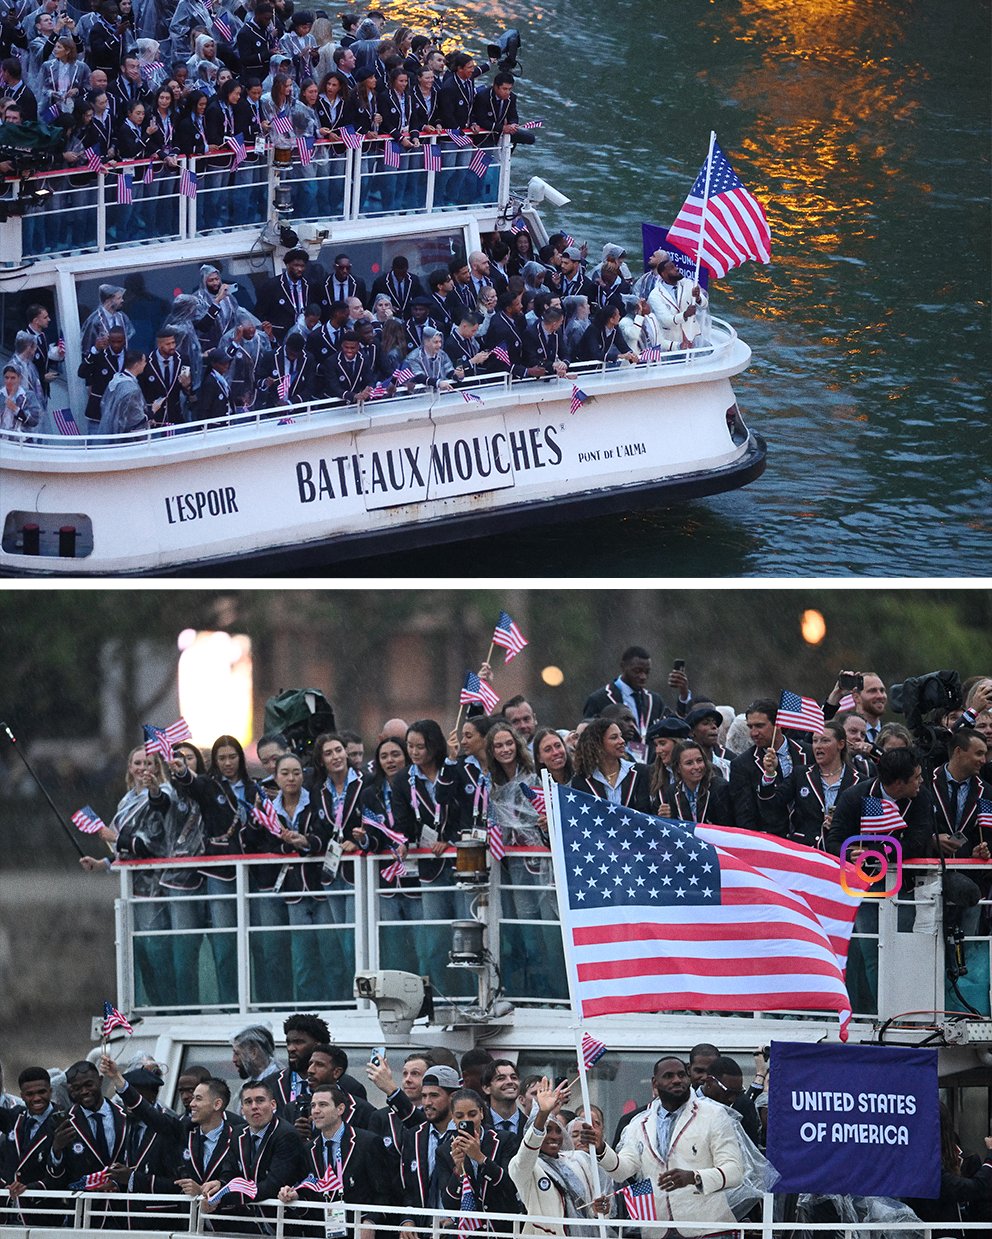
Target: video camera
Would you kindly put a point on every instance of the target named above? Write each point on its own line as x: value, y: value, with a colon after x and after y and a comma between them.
x: 923, y: 695
x: 505, y: 51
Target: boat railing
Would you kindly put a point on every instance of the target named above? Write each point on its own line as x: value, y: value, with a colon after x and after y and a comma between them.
x: 245, y: 945
x: 97, y: 1212
x: 723, y: 336
x: 128, y: 203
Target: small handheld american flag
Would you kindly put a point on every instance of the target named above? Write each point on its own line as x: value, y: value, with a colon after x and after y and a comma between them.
x: 178, y: 731
x: 283, y: 124
x: 94, y: 160
x: 639, y: 1199
x: 304, y: 148
x: 91, y: 1182
x: 480, y: 163
x: 245, y: 1186
x: 187, y: 183
x: 432, y: 158
x: 471, y: 398
x: 508, y: 636
x: 881, y: 814
x: 797, y: 713
x: 351, y: 137
x: 403, y: 375
x: 65, y: 423
x: 112, y: 1019
x: 395, y: 870
x: 500, y: 352
x: 651, y: 353
x: 284, y: 385
x: 392, y: 154
x: 536, y: 797
x: 467, y: 1224
x: 984, y: 819
x: 459, y: 138
x: 222, y: 28
x: 87, y: 821
x: 237, y: 145
x: 156, y: 741
x: 592, y: 1050
x: 476, y: 690
x: 125, y: 184
x: 532, y: 124
x: 329, y: 1181
x: 149, y: 175
x: 579, y: 398
x: 265, y: 814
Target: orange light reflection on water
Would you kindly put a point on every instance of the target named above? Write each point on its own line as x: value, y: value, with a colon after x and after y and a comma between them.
x: 825, y: 97
x: 471, y: 23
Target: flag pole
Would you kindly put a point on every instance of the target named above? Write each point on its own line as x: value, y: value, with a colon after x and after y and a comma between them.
x: 706, y: 203
x: 558, y: 861
x: 12, y: 740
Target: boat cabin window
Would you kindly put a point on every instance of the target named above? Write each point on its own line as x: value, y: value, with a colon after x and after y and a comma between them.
x: 370, y: 259
x: 149, y: 292
x: 14, y: 315
x: 618, y: 1083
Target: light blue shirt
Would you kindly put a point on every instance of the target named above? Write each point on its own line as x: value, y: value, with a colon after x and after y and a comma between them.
x: 613, y: 794
x: 962, y: 795
x: 280, y: 808
x: 666, y: 1120
x: 210, y: 1139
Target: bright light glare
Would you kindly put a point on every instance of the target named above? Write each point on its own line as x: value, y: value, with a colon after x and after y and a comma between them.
x: 186, y: 638
x: 215, y: 686
x: 553, y: 676
x: 813, y: 627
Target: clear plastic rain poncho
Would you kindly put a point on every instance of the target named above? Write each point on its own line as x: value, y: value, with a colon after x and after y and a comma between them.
x: 181, y: 318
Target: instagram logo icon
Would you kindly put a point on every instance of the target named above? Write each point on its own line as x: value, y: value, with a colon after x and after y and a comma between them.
x: 877, y: 864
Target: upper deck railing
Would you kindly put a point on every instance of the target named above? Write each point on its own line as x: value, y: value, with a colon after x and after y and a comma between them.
x: 248, y: 943
x: 723, y: 336
x: 131, y: 203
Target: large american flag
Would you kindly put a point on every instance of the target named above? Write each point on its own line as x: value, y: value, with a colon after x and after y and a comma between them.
x: 659, y: 918
x: 736, y: 228
x: 639, y: 1199
x: 879, y: 813
x: 797, y: 713
x: 112, y: 1019
x: 88, y: 821
x: 508, y: 636
x: 478, y: 690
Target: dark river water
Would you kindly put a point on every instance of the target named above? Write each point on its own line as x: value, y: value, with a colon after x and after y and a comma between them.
x: 863, y: 126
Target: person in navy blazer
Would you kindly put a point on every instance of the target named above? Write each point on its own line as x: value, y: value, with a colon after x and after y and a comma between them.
x: 357, y: 1155
x: 24, y: 1153
x: 76, y: 1149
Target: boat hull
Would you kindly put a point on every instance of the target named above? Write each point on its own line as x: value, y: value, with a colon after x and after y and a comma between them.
x: 334, y: 484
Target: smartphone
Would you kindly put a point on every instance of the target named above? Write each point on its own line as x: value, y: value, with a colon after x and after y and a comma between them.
x: 849, y: 680
x: 560, y: 1080
x: 467, y: 1126
x: 377, y: 1056
x: 678, y: 664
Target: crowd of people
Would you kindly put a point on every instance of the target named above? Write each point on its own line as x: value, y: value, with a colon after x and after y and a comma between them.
x: 311, y: 335
x: 224, y: 82
x: 453, y: 1135
x: 421, y: 789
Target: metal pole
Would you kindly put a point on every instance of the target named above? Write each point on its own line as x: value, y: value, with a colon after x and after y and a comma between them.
x: 706, y: 203
x: 5, y: 728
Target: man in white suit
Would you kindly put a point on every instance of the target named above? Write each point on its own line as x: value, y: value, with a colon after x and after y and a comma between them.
x: 686, y: 1146
x: 675, y: 303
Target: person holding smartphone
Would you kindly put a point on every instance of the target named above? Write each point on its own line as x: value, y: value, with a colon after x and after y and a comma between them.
x: 476, y: 1154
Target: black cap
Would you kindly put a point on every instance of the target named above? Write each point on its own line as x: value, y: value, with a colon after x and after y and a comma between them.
x: 141, y: 1077
x: 671, y: 728
x: 701, y: 712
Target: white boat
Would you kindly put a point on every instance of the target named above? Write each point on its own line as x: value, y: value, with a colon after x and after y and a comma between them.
x: 324, y: 482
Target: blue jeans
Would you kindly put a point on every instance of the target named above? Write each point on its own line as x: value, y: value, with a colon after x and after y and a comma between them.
x: 270, y: 952
x: 154, y: 970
